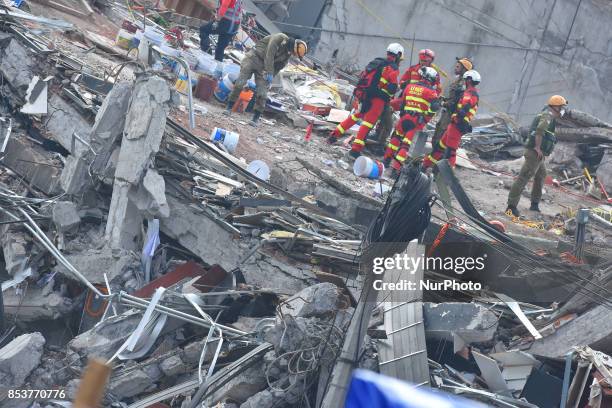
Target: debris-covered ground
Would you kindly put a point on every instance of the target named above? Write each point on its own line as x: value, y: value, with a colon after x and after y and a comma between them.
x: 229, y: 275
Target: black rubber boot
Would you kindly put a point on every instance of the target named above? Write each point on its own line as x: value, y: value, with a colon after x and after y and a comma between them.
x: 534, y: 207
x: 228, y: 109
x: 255, y: 121
x: 513, y: 210
x: 352, y: 155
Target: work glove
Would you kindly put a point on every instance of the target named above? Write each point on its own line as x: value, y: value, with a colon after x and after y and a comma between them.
x: 269, y: 77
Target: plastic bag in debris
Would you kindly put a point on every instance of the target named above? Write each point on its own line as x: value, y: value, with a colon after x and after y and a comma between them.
x: 371, y: 390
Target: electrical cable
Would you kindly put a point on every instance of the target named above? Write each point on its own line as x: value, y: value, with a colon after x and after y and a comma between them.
x: 403, y: 218
x: 517, y: 253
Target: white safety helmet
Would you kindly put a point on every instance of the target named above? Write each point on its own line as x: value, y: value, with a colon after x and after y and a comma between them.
x: 473, y: 75
x: 428, y: 74
x: 395, y: 49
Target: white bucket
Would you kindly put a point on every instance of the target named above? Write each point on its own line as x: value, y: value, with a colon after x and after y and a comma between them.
x: 259, y: 169
x: 227, y: 138
x: 228, y: 83
x: 366, y: 167
x: 231, y: 69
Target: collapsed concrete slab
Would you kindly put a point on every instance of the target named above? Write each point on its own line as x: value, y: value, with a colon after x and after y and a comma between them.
x: 36, y: 304
x: 14, y: 249
x: 604, y: 171
x: 105, y: 135
x: 63, y: 122
x: 94, y: 263
x: 173, y: 366
x: 104, y: 340
x: 150, y: 198
x: 130, y: 384
x: 471, y: 322
x: 593, y: 328
x: 33, y: 163
x: 65, y: 216
x: 315, y: 301
x: 204, y: 237
x: 16, y: 64
x: 241, y: 387
x: 19, y: 358
x: 144, y: 128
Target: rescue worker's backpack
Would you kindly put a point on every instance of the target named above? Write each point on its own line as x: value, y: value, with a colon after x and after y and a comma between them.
x: 368, y: 85
x: 548, y: 139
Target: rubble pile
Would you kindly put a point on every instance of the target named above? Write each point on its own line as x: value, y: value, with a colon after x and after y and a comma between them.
x: 131, y: 236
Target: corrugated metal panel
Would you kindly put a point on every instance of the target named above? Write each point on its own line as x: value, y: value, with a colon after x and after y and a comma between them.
x: 403, y: 354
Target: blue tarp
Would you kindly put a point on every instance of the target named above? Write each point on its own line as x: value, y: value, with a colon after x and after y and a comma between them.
x: 371, y: 390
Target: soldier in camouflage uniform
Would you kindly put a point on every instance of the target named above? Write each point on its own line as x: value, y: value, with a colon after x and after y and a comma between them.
x: 269, y: 56
x: 539, y: 145
x: 452, y: 98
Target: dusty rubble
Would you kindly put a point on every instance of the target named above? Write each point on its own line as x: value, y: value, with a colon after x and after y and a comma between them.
x: 128, y: 236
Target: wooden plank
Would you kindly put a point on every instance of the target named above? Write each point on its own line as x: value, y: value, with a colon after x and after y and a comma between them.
x: 403, y: 354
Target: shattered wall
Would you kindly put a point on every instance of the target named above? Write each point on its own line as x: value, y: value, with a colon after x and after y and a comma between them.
x: 525, y: 50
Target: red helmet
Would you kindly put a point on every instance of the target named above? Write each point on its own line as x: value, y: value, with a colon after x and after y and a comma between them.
x: 426, y: 53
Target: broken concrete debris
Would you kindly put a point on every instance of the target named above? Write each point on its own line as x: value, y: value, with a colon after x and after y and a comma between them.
x: 18, y: 358
x: 65, y: 216
x: 127, y: 235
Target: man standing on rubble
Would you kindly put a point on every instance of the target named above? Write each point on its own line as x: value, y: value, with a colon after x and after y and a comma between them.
x: 539, y: 145
x: 417, y: 105
x: 377, y: 85
x: 412, y: 76
x: 455, y: 90
x: 269, y: 56
x: 225, y: 25
x: 464, y: 112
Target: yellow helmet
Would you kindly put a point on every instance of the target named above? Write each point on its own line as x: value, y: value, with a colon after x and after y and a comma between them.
x: 300, y: 48
x: 466, y: 63
x: 557, y: 100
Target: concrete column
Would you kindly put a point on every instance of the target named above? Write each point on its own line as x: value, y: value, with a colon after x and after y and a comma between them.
x: 144, y: 128
x: 105, y: 134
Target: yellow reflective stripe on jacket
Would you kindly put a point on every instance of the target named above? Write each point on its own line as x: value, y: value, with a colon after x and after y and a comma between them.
x: 392, y: 147
x: 417, y: 99
x: 367, y: 124
x: 340, y: 129
x: 407, y: 141
x: 359, y: 141
x: 413, y: 109
x: 442, y: 145
x: 400, y: 159
x: 431, y: 158
x: 384, y: 81
x: 387, y: 92
x: 355, y: 118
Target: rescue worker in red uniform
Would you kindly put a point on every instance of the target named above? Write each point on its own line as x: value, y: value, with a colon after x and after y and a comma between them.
x: 377, y: 85
x: 412, y: 76
x: 417, y: 105
x: 460, y: 123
